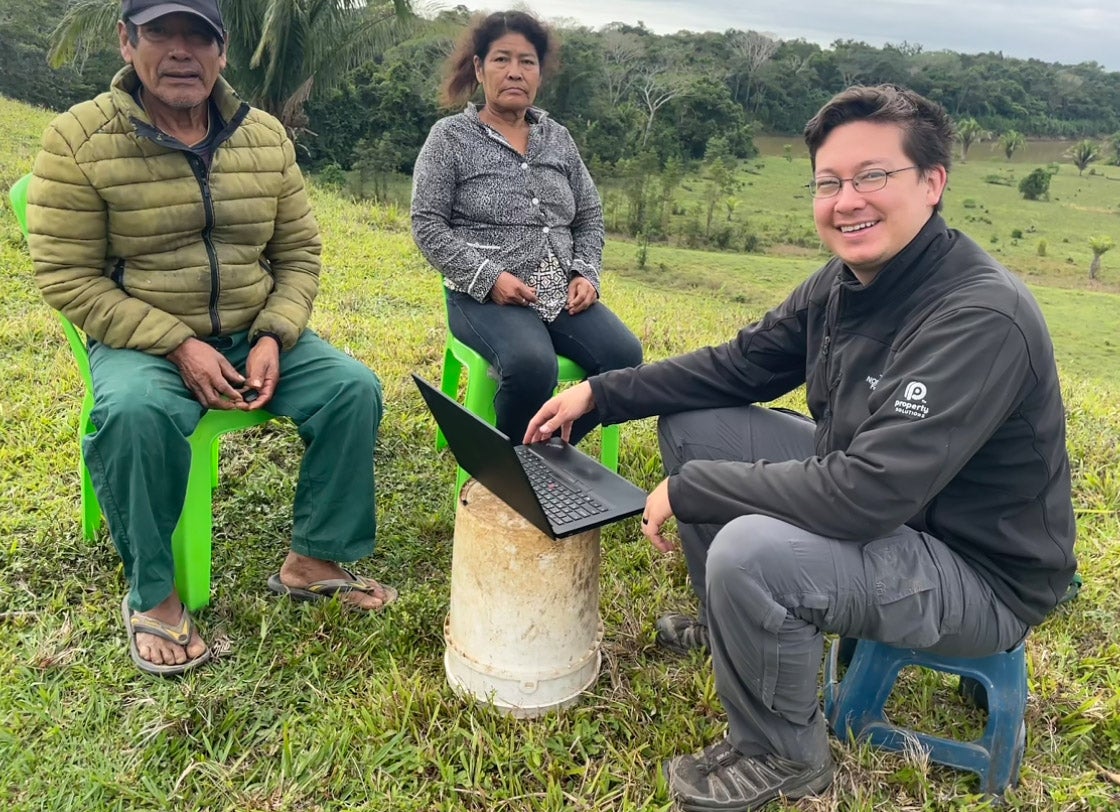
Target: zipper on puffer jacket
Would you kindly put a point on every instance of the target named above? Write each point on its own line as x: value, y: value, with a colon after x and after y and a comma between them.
x: 118, y: 274
x: 202, y: 175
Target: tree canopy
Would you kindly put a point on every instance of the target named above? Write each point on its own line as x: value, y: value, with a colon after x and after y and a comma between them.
x: 340, y: 72
x: 279, y: 51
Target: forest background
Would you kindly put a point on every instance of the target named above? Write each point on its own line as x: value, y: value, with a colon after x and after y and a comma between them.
x: 357, y: 85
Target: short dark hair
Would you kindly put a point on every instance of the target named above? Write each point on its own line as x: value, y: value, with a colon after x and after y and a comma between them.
x: 928, y: 132
x: 461, y: 82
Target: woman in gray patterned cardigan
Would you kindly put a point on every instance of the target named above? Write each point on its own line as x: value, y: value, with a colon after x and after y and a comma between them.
x: 504, y: 208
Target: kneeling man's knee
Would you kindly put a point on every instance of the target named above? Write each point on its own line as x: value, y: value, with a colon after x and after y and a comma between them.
x: 750, y: 568
x: 754, y: 544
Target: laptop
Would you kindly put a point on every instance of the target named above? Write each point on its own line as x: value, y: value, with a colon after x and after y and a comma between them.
x: 553, y: 485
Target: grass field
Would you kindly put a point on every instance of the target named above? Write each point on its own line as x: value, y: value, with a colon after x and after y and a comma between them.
x: 1046, y: 241
x: 311, y: 707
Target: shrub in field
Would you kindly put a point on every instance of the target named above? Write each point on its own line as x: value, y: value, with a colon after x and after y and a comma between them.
x: 1016, y: 234
x: 1042, y: 247
x: 721, y: 237
x: 1036, y: 185
x: 751, y: 241
x: 968, y: 203
x: 332, y: 176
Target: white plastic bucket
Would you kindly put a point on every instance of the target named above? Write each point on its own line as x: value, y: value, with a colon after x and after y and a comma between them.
x: 523, y: 632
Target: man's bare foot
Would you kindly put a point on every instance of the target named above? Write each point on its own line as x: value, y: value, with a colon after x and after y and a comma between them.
x: 299, y: 572
x: 158, y: 650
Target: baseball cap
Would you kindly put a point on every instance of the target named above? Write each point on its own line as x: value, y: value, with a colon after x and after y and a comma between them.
x: 144, y: 11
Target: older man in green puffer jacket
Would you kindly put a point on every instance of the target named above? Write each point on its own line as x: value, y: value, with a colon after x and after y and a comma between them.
x: 168, y: 219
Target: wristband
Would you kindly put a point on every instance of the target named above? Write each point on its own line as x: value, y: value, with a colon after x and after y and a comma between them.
x: 264, y: 334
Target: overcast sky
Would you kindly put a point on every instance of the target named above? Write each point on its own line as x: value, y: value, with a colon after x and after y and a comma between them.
x: 1069, y: 32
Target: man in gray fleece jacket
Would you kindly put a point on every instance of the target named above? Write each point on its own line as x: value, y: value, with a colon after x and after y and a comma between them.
x: 926, y: 504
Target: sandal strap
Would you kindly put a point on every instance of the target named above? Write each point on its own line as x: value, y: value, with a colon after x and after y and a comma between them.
x: 179, y: 633
x: 351, y: 583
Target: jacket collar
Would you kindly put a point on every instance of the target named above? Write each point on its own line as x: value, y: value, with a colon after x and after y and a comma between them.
x: 900, y: 275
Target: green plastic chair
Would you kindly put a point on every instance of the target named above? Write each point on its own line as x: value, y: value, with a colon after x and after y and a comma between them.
x: 191, y: 543
x: 482, y: 388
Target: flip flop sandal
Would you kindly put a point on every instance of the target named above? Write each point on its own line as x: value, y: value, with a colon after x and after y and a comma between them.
x: 179, y: 634
x: 329, y: 587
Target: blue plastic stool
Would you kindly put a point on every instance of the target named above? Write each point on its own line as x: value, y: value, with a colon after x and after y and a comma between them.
x: 854, y: 707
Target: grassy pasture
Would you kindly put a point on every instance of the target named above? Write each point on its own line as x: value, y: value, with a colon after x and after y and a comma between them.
x: 982, y: 199
x: 314, y: 708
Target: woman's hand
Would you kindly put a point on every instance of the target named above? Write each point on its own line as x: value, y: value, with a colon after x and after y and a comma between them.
x: 581, y: 295
x: 509, y: 290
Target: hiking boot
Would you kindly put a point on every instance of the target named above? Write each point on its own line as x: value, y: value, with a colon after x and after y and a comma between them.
x: 720, y: 778
x: 1072, y: 590
x: 682, y: 634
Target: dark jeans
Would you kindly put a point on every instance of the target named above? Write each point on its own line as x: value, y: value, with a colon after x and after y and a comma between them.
x: 522, y: 349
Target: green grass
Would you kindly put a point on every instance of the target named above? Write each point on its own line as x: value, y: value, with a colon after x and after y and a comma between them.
x: 773, y: 204
x: 310, y: 707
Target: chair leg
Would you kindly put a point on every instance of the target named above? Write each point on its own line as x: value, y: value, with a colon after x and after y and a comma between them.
x: 91, y: 510
x: 481, y: 391
x: 449, y: 385
x: 214, y: 464
x: 862, y: 694
x: 191, y: 542
x: 608, y: 447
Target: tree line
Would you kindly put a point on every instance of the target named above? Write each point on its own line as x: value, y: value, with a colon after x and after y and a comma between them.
x: 356, y: 83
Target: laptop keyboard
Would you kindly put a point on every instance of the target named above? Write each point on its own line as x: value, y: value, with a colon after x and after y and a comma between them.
x: 562, y: 504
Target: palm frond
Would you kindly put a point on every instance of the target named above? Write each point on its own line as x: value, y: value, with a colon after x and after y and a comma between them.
x: 278, y: 50
x: 87, y: 26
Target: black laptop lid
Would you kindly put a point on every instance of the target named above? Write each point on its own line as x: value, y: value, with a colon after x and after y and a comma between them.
x: 488, y: 455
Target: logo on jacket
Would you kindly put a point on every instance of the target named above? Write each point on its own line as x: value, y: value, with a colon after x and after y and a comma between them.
x: 913, y: 401
x: 915, y: 390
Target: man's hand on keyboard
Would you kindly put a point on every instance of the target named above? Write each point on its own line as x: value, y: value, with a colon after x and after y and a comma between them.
x: 559, y: 412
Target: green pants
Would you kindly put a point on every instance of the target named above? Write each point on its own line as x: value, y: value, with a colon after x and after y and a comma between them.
x: 139, y: 457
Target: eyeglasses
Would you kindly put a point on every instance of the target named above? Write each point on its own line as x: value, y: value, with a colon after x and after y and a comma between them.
x: 870, y: 180
x: 196, y: 35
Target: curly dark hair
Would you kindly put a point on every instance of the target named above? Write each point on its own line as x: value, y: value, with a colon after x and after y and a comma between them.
x: 461, y: 82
